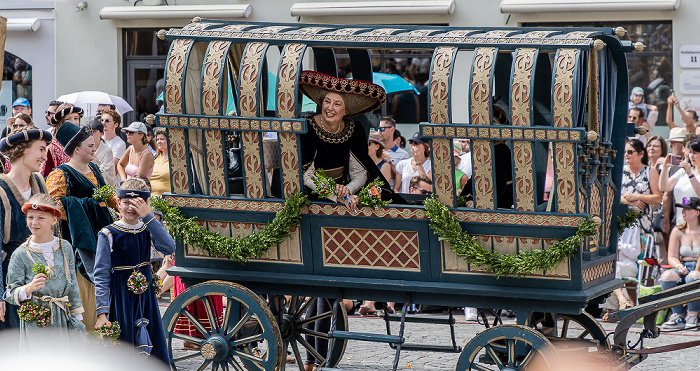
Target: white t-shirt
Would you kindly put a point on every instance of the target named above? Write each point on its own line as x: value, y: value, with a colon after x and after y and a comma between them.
x: 407, y: 173
x: 118, y: 146
x: 682, y: 189
x: 465, y: 164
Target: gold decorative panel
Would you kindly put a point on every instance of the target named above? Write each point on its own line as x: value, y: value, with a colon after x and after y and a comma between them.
x: 565, y: 172
x: 480, y: 106
x: 286, y: 108
x: 211, y: 76
x: 173, y: 76
x: 252, y: 160
x: 611, y: 192
x: 521, y: 109
x: 440, y: 84
x: 562, y: 111
x: 370, y: 248
x: 215, y: 163
x: 260, y: 124
x: 178, y: 161
x: 250, y: 86
x: 443, y: 173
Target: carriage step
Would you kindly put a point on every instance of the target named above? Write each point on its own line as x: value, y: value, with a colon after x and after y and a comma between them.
x: 431, y: 348
x: 364, y: 336
x: 422, y: 319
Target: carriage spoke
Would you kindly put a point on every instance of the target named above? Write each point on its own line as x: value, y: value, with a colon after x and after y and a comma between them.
x: 315, y: 318
x: 204, y: 365
x: 311, y: 349
x: 314, y: 333
x: 249, y: 357
x: 494, y: 355
x: 297, y: 355
x: 197, y: 324
x: 510, y: 345
x: 228, y: 312
x: 584, y: 334
x: 213, y: 317
x: 250, y: 339
x: 240, y: 324
x: 303, y: 308
x: 189, y: 338
x: 565, y: 327
x: 184, y: 358
x: 528, y: 357
x: 293, y: 305
x: 235, y: 364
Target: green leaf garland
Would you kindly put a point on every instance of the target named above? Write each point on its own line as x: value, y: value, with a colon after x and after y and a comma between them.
x: 527, y: 262
x: 629, y: 219
x: 239, y: 249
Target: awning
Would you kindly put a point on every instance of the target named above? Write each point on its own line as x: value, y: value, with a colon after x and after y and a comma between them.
x: 176, y: 11
x: 542, y: 6
x: 23, y: 24
x: 368, y: 8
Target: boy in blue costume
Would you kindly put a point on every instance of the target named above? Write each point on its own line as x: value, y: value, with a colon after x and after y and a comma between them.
x: 123, y: 250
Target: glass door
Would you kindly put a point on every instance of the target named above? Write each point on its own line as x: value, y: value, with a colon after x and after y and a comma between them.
x: 144, y: 84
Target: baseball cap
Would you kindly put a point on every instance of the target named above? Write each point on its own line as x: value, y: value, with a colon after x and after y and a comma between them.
x: 21, y: 102
x: 416, y: 138
x: 690, y: 203
x: 136, y: 126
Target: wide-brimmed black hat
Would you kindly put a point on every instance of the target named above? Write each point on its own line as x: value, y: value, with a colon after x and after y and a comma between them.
x: 70, y: 135
x: 359, y: 96
x: 24, y: 136
x: 64, y: 112
x: 690, y: 203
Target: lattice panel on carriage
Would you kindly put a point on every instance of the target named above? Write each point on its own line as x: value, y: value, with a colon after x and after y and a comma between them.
x: 288, y: 251
x: 598, y: 271
x: 451, y: 263
x: 370, y: 248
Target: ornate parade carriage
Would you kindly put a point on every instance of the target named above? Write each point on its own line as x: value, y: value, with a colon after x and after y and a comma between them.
x: 564, y: 89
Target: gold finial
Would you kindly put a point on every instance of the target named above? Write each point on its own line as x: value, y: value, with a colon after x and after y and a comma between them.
x: 196, y: 19
x: 638, y: 46
x: 591, y: 136
x: 161, y: 34
x: 620, y: 32
x: 150, y: 119
x: 597, y: 221
x: 598, y: 44
x: 641, y: 130
x: 231, y: 113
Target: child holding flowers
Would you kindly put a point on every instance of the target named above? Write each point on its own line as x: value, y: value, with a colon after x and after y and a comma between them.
x: 124, y: 287
x: 41, y: 277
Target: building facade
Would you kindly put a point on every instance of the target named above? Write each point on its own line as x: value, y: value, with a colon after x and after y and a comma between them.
x: 111, y: 45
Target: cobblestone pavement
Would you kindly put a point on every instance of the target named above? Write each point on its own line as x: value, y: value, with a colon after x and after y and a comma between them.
x: 376, y: 356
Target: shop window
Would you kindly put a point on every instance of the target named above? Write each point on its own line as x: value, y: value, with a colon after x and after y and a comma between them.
x: 16, y: 83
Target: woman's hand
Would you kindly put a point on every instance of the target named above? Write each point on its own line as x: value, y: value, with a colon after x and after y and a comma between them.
x: 37, y: 283
x: 667, y: 161
x: 341, y: 190
x: 351, y: 203
x: 140, y: 206
x: 686, y: 166
x: 660, y: 162
x: 2, y: 310
x: 639, y: 203
x: 102, y: 320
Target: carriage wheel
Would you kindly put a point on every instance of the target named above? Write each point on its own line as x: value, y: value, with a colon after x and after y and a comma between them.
x: 508, y: 348
x: 296, y: 324
x: 580, y: 331
x: 244, y: 336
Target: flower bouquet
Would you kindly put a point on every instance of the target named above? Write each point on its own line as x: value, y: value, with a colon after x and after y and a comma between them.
x: 33, y: 312
x: 371, y: 195
x: 137, y: 283
x: 102, y: 194
x: 109, y: 331
x: 326, y: 186
x: 41, y: 268
x: 157, y: 283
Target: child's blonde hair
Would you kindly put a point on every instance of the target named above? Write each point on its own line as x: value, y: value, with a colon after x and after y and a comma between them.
x: 136, y: 184
x: 43, y: 199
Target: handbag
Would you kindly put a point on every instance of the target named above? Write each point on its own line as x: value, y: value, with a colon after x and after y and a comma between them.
x: 657, y: 222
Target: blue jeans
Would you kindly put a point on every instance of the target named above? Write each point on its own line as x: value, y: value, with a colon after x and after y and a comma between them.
x: 692, y: 306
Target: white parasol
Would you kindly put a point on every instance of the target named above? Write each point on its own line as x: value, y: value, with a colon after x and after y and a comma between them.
x: 89, y: 100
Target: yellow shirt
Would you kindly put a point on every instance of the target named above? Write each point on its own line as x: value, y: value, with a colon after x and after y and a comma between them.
x: 160, y: 178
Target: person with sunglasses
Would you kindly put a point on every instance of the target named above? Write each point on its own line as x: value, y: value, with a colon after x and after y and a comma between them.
x: 111, y: 120
x: 683, y: 253
x: 421, y: 185
x: 636, y: 116
x: 639, y: 189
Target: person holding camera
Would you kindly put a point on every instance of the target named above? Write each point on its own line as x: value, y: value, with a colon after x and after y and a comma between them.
x: 683, y: 183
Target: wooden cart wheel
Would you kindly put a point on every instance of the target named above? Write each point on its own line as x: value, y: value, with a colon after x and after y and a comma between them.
x: 296, y: 325
x: 508, y: 348
x: 579, y: 331
x: 245, y: 336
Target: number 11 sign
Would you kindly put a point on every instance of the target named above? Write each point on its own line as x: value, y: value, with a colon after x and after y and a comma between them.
x: 689, y: 56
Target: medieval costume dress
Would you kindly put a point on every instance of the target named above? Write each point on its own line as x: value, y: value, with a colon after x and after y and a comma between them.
x: 14, y: 230
x: 123, y: 249
x: 60, y: 292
